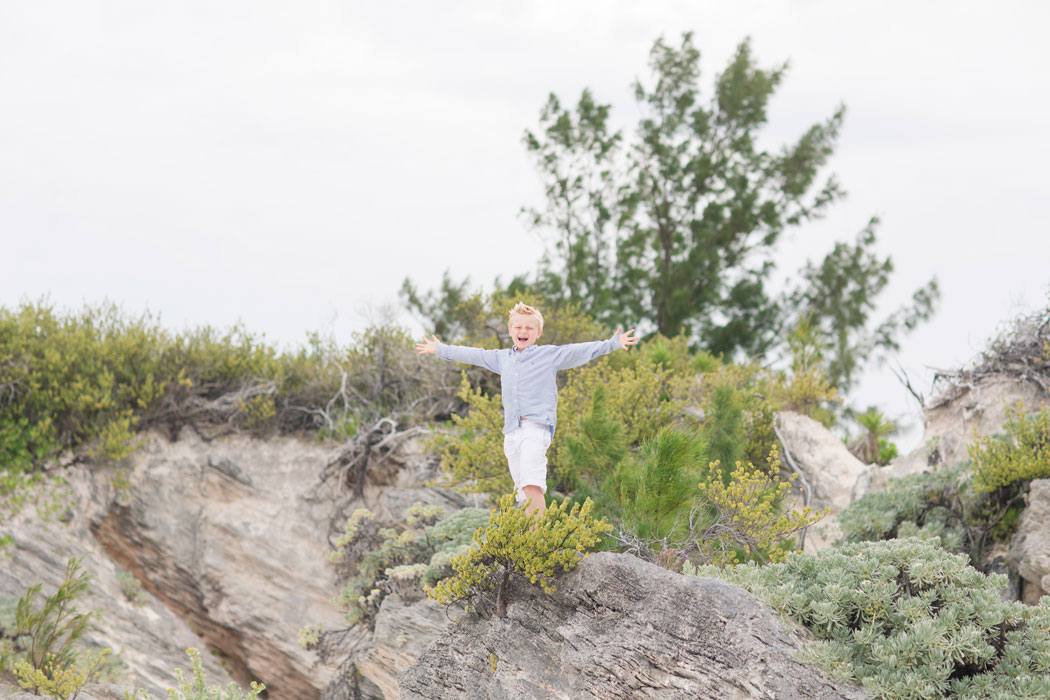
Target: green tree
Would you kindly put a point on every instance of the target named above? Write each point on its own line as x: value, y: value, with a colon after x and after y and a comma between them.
x: 839, y: 295
x: 678, y: 224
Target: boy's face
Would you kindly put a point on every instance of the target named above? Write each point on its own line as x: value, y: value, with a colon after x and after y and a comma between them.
x: 524, y: 330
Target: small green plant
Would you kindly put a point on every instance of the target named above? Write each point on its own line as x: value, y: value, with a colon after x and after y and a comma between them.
x: 659, y: 487
x: 724, y: 522
x: 47, y: 631
x: 872, y: 447
x: 1022, y: 454
x: 908, y: 621
x: 749, y: 521
x: 310, y: 636
x: 61, y: 682
x: 131, y: 587
x: 516, y: 543
x: 807, y: 388
x: 197, y: 688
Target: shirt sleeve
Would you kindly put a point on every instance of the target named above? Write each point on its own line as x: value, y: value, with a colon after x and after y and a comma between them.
x: 576, y: 354
x: 489, y: 359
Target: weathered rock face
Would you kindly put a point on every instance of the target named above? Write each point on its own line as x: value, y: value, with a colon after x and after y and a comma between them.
x: 1029, y: 553
x: 232, y: 536
x: 150, y: 639
x: 402, y: 633
x: 619, y: 628
x: 228, y: 539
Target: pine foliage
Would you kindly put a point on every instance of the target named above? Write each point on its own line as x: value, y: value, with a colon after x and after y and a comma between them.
x: 47, y: 630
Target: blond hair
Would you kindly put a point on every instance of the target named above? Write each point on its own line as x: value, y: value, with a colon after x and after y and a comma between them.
x: 525, y: 310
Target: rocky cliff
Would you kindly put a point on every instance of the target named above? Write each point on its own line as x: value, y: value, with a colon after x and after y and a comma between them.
x: 227, y: 539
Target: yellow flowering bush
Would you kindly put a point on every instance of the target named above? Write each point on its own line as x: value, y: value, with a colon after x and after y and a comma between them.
x: 1022, y: 454
x: 516, y: 543
x: 57, y: 681
x: 748, y: 517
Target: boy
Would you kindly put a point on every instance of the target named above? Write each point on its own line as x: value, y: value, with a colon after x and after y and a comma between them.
x: 530, y: 393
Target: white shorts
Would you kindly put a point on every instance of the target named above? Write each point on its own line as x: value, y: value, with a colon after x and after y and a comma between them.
x: 526, y: 450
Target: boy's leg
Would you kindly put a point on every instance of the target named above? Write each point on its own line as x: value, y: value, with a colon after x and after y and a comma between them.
x: 536, y: 503
x: 532, y: 468
x: 512, y: 449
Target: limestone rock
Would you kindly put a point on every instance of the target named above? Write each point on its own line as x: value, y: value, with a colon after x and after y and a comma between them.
x: 619, y: 628
x: 232, y: 534
x: 1029, y: 551
x: 829, y: 468
x: 402, y: 632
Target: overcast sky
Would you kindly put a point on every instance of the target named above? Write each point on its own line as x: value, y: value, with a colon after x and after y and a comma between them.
x: 287, y: 164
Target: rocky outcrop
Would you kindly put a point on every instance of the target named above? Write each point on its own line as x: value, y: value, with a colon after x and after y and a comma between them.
x: 402, y: 632
x: 232, y: 535
x: 829, y: 469
x: 1029, y: 553
x: 619, y: 628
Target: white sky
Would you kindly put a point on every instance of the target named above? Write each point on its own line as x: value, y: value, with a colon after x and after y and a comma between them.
x: 288, y: 164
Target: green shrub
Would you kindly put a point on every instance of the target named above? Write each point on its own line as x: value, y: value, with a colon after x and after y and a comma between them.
x: 748, y: 521
x: 806, y: 388
x: 473, y: 454
x: 940, y: 504
x: 908, y: 621
x: 375, y: 562
x: 74, y: 386
x: 46, y: 631
x: 516, y: 543
x: 594, y: 446
x: 742, y: 520
x: 1022, y: 454
x: 739, y: 408
x: 131, y: 587
x: 926, y: 505
x: 197, y: 688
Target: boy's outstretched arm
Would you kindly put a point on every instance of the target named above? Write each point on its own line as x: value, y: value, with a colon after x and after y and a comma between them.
x: 488, y: 359
x: 577, y: 354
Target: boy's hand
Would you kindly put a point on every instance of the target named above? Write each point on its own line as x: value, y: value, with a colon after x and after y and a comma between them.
x: 626, y: 339
x: 428, y: 347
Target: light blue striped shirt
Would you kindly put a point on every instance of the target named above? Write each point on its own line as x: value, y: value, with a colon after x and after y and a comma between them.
x: 527, y: 378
